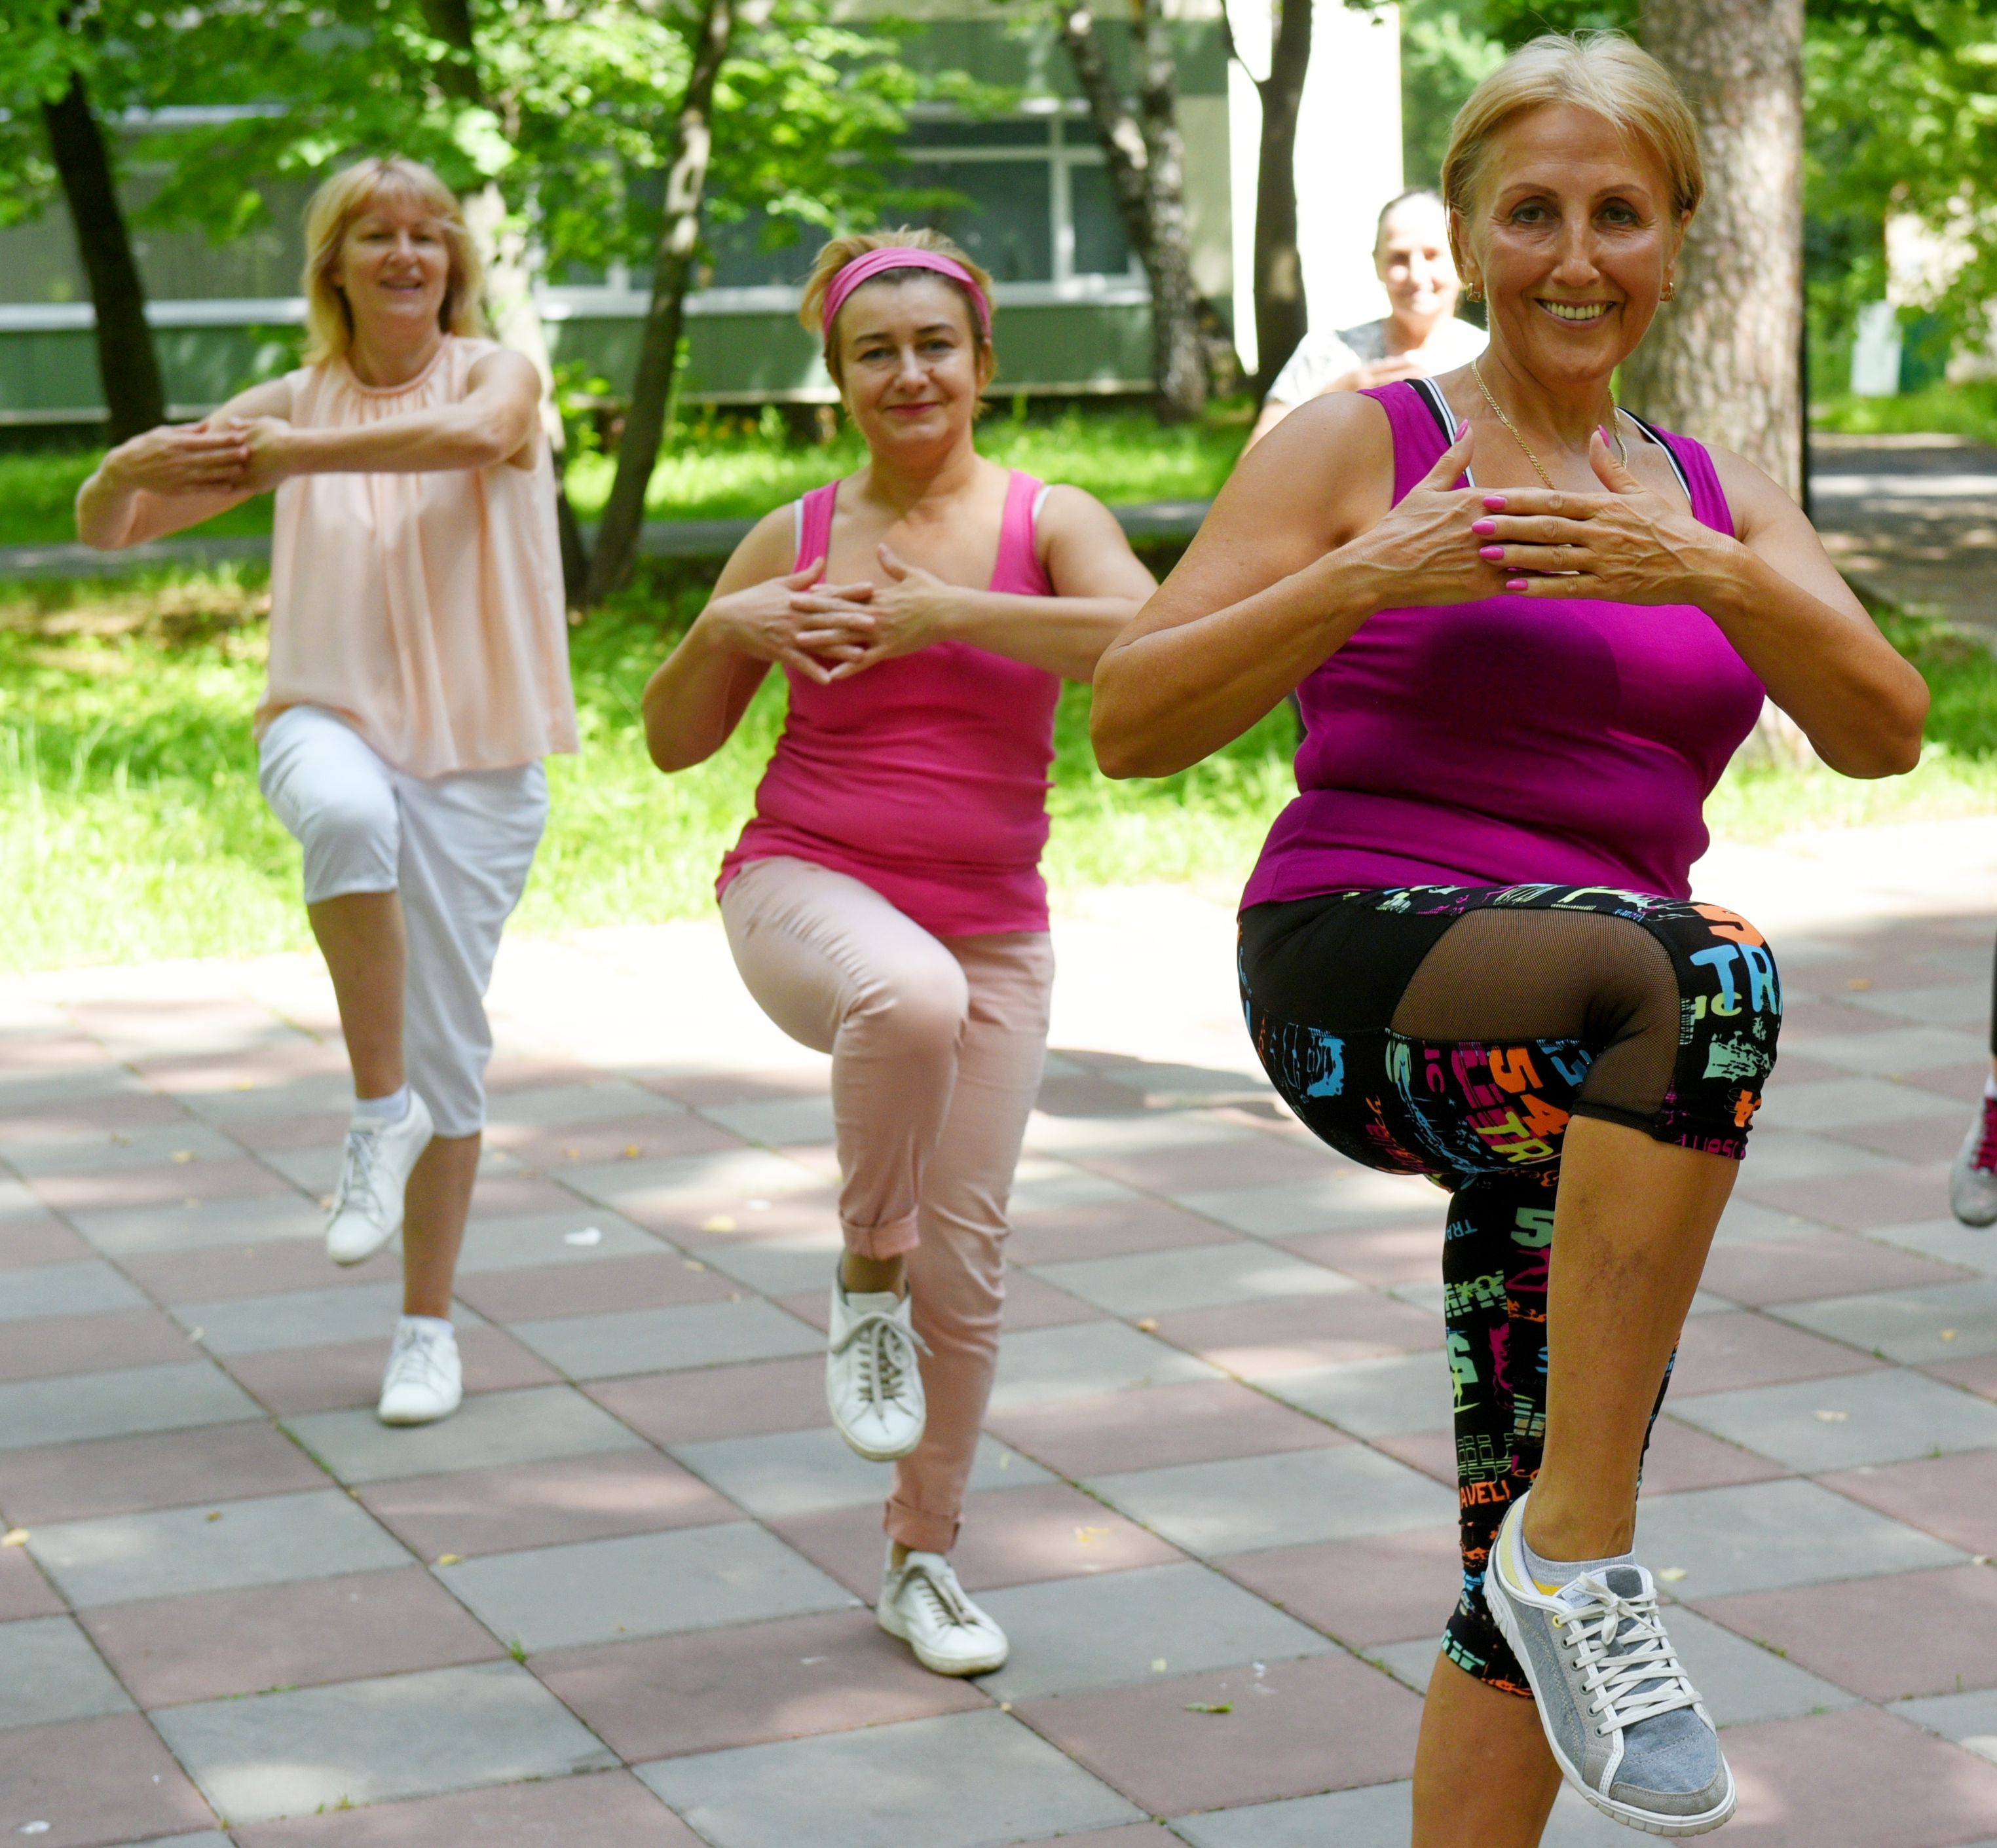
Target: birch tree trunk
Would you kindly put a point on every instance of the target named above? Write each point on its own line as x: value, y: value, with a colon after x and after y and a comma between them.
x: 1721, y: 361
x: 658, y: 354
x: 1146, y: 157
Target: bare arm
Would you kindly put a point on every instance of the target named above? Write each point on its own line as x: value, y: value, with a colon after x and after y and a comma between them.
x: 166, y: 480
x: 694, y: 702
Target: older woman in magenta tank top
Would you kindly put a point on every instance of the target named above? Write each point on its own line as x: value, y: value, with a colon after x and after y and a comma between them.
x: 1527, y: 631
x: 885, y: 904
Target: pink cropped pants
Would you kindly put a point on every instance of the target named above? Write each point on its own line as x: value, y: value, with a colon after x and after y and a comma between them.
x: 938, y: 1045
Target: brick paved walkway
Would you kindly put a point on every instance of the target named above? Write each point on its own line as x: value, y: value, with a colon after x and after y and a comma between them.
x: 617, y: 1600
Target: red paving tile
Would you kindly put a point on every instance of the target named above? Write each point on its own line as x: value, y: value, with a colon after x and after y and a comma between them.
x: 1323, y: 1723
x: 1031, y: 1302
x: 1012, y: 1536
x: 472, y: 1512
x: 1828, y: 1264
x: 1860, y: 1777
x: 206, y: 1075
x: 1724, y: 1352
x: 1964, y: 1082
x: 1155, y: 1426
x: 697, y: 1090
x: 654, y: 1137
x: 1682, y: 1458
x: 174, y: 1469
x: 341, y: 1374
x: 163, y: 1184
x: 1434, y: 1452
x: 224, y: 1273
x: 88, y: 1120
x: 1197, y: 1166
x: 96, y: 1782
x: 1385, y: 1589
x: 517, y: 1071
x: 705, y: 1691
x: 605, y: 1810
x: 168, y: 1650
x: 1285, y: 1334
x: 1138, y: 1835
x: 746, y: 1401
x: 286, y: 1135
x: 1918, y: 1138
x: 1793, y: 1068
x: 34, y: 1238
x: 23, y: 1590
x: 35, y: 1054
x: 1805, y: 1019
x: 50, y: 1345
x: 510, y: 1196
x: 1109, y: 1229
x: 1380, y: 1256
x: 646, y: 1279
x: 1857, y: 1203
x: 1887, y: 1638
x: 1978, y: 1375
x: 1953, y: 1498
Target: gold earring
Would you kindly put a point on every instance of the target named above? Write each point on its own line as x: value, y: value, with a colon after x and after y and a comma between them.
x: 1475, y: 291
x: 1670, y: 290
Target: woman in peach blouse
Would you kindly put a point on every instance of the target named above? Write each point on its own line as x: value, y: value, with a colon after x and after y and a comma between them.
x: 419, y: 674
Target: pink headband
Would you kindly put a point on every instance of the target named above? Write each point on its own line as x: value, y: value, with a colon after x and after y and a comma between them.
x: 903, y: 257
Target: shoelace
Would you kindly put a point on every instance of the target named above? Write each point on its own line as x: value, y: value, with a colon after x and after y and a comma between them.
x: 1986, y: 1150
x: 415, y: 1362
x: 1632, y: 1671
x: 887, y: 1355
x: 944, y: 1597
x: 356, y: 1170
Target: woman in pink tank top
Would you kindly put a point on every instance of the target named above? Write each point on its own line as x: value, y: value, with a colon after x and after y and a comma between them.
x: 1469, y: 950
x: 885, y: 904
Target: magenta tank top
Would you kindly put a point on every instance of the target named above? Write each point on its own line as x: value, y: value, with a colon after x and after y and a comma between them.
x: 1510, y: 741
x: 926, y: 777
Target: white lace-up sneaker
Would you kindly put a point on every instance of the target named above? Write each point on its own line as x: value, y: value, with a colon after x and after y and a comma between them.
x: 1972, y: 1182
x: 1626, y: 1726
x: 424, y: 1381
x: 873, y: 1379
x: 366, y: 1210
x: 922, y: 1603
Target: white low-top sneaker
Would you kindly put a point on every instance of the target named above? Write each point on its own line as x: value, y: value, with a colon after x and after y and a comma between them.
x: 366, y: 1210
x: 922, y: 1603
x: 425, y: 1381
x: 1972, y: 1182
x: 873, y: 1377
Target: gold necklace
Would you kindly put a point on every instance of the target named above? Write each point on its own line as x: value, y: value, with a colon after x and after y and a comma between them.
x: 1498, y: 411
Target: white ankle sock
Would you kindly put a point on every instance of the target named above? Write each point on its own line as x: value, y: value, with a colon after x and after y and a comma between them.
x: 415, y: 1323
x: 389, y: 1109
x: 1990, y: 1088
x: 1554, y: 1573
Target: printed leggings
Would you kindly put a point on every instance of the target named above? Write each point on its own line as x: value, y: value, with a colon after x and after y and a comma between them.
x: 1453, y: 1031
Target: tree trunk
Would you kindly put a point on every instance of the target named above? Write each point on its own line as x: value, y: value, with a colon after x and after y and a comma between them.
x: 509, y: 282
x: 125, y: 361
x: 1146, y: 157
x: 1282, y: 314
x: 658, y: 354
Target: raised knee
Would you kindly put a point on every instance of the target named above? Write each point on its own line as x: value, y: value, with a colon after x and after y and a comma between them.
x: 918, y: 1009
x: 356, y: 820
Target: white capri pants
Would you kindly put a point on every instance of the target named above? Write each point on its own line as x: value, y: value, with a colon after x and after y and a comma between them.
x: 458, y: 848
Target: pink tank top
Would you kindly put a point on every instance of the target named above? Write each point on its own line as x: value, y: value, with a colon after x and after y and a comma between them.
x: 1509, y: 741
x: 926, y: 777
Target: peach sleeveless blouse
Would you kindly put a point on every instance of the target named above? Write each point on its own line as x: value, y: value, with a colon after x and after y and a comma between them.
x: 425, y: 610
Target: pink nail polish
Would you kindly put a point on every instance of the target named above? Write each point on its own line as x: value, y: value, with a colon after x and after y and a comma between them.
x: 1485, y: 525
x: 1494, y: 503
x: 1514, y: 584
x: 1495, y: 554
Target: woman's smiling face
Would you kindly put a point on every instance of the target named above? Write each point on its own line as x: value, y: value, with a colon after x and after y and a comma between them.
x: 1573, y: 237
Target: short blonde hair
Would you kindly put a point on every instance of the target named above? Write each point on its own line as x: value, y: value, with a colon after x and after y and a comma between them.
x: 1599, y: 71
x: 329, y: 321
x: 842, y: 250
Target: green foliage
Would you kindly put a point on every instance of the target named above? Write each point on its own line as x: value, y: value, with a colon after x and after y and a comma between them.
x: 1969, y: 409
x: 1445, y: 54
x: 38, y: 500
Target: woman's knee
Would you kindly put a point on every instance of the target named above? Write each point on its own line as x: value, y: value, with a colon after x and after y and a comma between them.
x: 917, y: 1007
x: 352, y: 842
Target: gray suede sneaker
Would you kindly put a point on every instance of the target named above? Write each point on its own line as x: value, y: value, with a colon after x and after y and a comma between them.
x: 1625, y: 1724
x: 1972, y: 1182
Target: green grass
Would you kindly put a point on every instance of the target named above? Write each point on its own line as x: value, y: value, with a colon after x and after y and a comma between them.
x: 1969, y: 409
x: 38, y: 500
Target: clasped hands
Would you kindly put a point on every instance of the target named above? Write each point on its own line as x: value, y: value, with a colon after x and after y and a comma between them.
x: 234, y: 455
x: 832, y: 632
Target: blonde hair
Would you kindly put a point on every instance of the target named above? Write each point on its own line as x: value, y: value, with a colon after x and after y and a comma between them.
x: 840, y: 251
x: 343, y: 198
x: 1602, y: 72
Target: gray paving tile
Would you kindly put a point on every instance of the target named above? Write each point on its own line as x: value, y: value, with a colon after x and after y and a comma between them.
x: 797, y: 1472
x: 1762, y: 1536
x: 1951, y: 1005
x: 174, y: 1552
x: 1118, y: 1629
x: 961, y: 1780
x: 515, y: 1242
x: 1343, y: 1199
x: 25, y: 1090
x: 130, y: 1231
x: 1748, y: 1222
x: 30, y: 1153
x: 1575, y: 1823
x: 83, y: 1289
x: 207, y: 1838
x: 1776, y: 1154
x: 781, y: 1120
x: 1042, y: 1184
x: 1897, y: 1048
x: 689, y: 1180
x: 1374, y: 1398
x: 1088, y: 1358
x: 533, y: 1425
x: 1970, y: 1720
x: 174, y: 1397
x: 1377, y: 1815
x: 645, y: 1584
x: 1191, y: 1276
x: 1908, y: 1326
x: 359, y: 1742
x: 1411, y: 1663
x: 15, y: 1199
x: 1848, y: 1103
x: 53, y: 1673
x: 1136, y: 1133
x: 594, y: 1101
x: 1888, y: 1416
x: 262, y: 1324
x: 1248, y: 1503
x: 1742, y: 1683
x: 1973, y: 1247
x: 800, y: 1261
x: 694, y: 1334
x: 315, y: 1092
x: 313, y: 1171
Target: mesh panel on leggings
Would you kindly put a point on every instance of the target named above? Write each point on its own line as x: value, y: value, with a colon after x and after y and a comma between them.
x: 1516, y: 975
